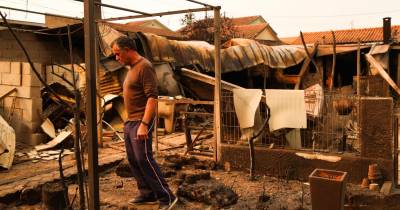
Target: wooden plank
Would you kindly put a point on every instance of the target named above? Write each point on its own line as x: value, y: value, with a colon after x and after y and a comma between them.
x: 186, y: 101
x: 6, y: 91
x: 218, y: 85
x: 143, y: 206
x: 207, y: 79
x: 197, y: 113
x: 382, y: 72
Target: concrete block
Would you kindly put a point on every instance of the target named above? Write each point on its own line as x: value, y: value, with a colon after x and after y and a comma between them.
x: 11, y: 79
x: 16, y: 67
x: 5, y: 67
x: 36, y: 139
x: 387, y: 188
x: 26, y: 68
x: 30, y: 80
x: 31, y: 109
x: 27, y: 92
x: 26, y: 127
x: 7, y: 102
x: 16, y: 116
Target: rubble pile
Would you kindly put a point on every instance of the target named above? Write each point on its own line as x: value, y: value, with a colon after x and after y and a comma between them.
x: 193, y: 178
x: 209, y: 192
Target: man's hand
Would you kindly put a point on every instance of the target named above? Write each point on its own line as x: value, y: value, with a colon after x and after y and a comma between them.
x: 142, y: 132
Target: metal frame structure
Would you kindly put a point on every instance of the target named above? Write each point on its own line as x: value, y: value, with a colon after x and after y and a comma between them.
x: 90, y: 20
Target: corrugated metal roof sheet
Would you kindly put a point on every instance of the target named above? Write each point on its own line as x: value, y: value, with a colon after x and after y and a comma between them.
x: 235, y: 58
x: 349, y: 36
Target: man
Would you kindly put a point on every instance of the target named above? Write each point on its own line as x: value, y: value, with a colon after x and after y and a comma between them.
x: 140, y: 98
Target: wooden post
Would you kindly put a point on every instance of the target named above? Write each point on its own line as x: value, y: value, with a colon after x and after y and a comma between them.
x: 97, y: 16
x: 217, y: 88
x: 398, y: 70
x: 90, y: 39
x: 358, y: 69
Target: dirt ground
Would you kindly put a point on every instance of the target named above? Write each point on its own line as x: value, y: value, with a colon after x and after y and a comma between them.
x: 283, y: 195
x: 264, y: 192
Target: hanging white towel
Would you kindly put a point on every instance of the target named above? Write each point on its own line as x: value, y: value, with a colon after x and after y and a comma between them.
x: 287, y: 109
x: 246, y: 102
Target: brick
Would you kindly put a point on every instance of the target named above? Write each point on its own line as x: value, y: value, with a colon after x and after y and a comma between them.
x: 5, y: 67
x: 16, y: 68
x: 30, y: 80
x: 11, y: 79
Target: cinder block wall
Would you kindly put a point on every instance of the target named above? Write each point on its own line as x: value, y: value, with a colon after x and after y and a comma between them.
x: 23, y: 108
x: 376, y: 123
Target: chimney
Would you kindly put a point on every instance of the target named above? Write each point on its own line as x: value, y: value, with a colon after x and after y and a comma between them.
x: 387, y: 30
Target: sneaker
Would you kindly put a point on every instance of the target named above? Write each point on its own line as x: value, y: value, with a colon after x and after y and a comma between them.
x: 168, y: 206
x: 143, y: 199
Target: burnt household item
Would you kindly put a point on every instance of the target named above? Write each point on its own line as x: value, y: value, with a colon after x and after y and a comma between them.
x: 374, y: 173
x: 365, y: 183
x: 328, y: 188
x: 374, y: 187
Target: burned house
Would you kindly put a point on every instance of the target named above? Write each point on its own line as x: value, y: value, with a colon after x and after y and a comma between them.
x: 339, y: 124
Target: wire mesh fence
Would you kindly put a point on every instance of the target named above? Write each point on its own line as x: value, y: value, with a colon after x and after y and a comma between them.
x: 332, y: 125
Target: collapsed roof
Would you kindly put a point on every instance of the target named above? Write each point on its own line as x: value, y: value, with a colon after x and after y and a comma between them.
x: 234, y: 58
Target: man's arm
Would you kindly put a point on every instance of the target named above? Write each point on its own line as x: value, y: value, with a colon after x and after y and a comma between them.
x: 149, y: 80
x: 144, y: 126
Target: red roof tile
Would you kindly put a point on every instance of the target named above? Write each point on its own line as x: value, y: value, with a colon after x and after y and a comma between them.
x: 244, y: 20
x: 250, y: 31
x: 348, y: 36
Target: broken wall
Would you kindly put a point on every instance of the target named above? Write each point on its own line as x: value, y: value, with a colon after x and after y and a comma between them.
x: 22, y: 108
x: 41, y: 48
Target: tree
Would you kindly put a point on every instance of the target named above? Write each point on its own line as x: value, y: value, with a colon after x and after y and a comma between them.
x: 204, y: 29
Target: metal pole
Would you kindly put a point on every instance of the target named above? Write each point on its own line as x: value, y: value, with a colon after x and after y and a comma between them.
x: 201, y: 3
x: 90, y: 36
x: 39, y: 13
x: 98, y: 3
x: 217, y: 88
x: 157, y: 14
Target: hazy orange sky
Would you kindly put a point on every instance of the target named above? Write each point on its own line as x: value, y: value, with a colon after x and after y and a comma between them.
x: 287, y: 17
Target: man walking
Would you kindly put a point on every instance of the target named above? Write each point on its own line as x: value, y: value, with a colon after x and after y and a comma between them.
x: 140, y: 97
